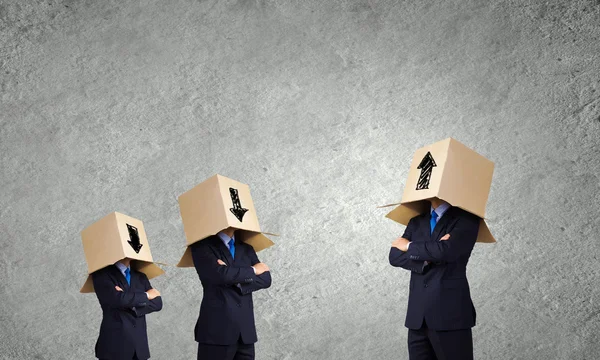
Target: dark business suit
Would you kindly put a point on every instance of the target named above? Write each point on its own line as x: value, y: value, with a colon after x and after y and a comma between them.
x: 440, y: 312
x: 225, y: 327
x: 123, y: 329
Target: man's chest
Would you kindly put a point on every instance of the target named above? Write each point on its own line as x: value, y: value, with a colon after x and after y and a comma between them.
x: 425, y: 232
x: 240, y: 256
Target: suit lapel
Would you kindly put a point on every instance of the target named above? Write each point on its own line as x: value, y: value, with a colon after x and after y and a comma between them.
x: 441, y: 225
x: 238, y: 251
x: 224, y: 251
x: 133, y: 279
x: 120, y: 278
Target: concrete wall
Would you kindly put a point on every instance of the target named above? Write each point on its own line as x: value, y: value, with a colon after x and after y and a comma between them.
x: 319, y: 106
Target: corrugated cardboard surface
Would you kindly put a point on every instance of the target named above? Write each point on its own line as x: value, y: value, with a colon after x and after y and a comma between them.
x: 460, y: 176
x: 439, y: 150
x: 467, y: 179
x: 206, y: 210
x: 106, y: 242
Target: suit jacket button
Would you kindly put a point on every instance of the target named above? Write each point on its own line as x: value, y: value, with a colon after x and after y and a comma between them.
x: 425, y: 285
x: 239, y: 305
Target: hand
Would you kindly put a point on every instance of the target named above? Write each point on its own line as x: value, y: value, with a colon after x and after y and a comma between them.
x: 118, y: 289
x: 152, y: 294
x: 221, y: 262
x: 260, y: 268
x: 445, y: 237
x: 401, y: 244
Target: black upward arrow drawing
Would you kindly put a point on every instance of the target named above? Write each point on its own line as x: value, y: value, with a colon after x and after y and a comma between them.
x: 134, y: 238
x: 237, y: 208
x: 426, y: 166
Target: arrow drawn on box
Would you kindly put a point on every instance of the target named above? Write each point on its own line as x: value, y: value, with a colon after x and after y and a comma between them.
x: 237, y: 208
x: 134, y: 238
x: 426, y: 166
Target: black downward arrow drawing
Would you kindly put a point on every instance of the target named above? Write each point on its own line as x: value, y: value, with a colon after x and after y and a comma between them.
x: 134, y: 238
x: 426, y: 166
x: 237, y: 208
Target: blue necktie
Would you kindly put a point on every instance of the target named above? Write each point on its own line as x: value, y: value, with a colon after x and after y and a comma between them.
x: 433, y: 220
x: 128, y: 276
x: 232, y: 248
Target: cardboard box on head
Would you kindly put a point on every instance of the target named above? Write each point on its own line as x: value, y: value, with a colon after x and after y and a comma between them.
x: 115, y: 237
x: 450, y: 171
x: 214, y: 205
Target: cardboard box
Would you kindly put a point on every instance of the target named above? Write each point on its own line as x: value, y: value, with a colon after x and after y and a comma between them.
x: 449, y: 171
x: 115, y: 237
x: 215, y: 205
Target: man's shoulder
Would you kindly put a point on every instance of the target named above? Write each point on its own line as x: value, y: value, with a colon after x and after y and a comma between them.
x: 105, y: 271
x: 207, y: 241
x: 420, y: 216
x: 244, y: 245
x: 458, y: 212
x: 137, y: 272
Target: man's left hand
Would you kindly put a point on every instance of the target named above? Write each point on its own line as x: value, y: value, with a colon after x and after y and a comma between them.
x: 221, y: 262
x: 401, y: 244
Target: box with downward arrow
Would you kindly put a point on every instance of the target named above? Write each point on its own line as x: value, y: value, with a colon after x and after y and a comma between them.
x: 449, y: 171
x: 215, y: 205
x: 113, y: 238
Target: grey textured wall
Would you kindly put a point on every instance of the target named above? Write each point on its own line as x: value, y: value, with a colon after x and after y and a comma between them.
x: 319, y: 106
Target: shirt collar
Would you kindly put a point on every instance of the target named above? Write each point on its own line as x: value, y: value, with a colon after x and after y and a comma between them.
x: 440, y: 210
x: 224, y: 238
x: 121, y: 267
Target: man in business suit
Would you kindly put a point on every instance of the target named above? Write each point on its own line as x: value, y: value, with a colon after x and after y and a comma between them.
x: 229, y: 271
x: 436, y: 247
x: 125, y: 296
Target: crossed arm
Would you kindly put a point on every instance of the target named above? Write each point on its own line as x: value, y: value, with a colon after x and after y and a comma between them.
x: 155, y: 304
x: 114, y: 297
x: 213, y: 270
x: 399, y: 258
x: 458, y: 242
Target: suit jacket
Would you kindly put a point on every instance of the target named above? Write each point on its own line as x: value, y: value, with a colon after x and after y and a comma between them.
x: 123, y: 328
x: 439, y: 292
x: 226, y: 311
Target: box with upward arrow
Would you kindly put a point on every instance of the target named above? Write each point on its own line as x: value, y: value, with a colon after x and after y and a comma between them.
x: 214, y: 205
x: 113, y: 238
x: 449, y: 171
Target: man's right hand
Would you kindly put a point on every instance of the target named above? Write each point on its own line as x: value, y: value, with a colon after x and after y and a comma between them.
x: 152, y: 294
x: 260, y: 268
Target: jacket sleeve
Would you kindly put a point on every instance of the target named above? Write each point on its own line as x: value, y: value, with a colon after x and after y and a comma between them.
x: 399, y: 258
x: 152, y: 305
x: 205, y: 262
x: 461, y: 242
x: 109, y: 296
x: 262, y: 281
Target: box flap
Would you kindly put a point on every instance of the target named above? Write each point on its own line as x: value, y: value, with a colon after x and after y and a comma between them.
x: 215, y: 204
x: 485, y: 235
x: 404, y: 212
x: 112, y: 238
x: 151, y: 270
x: 257, y: 240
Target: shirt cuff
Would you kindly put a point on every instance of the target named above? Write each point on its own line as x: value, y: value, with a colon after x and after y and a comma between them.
x: 407, y: 245
x: 148, y: 296
x: 253, y: 269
